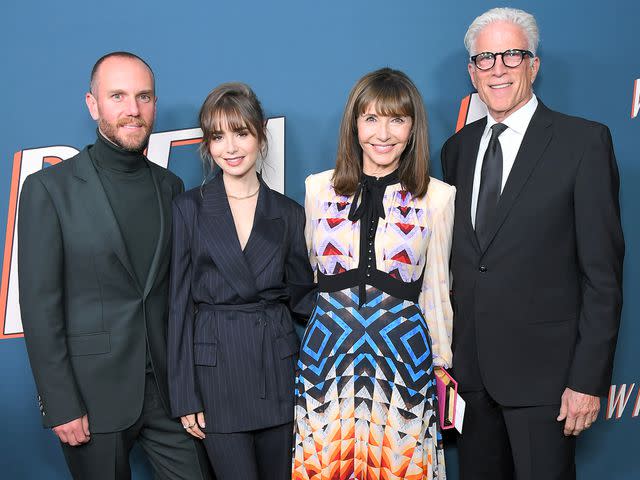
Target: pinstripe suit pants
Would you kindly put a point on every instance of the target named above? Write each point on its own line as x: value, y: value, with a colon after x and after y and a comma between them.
x: 255, y: 455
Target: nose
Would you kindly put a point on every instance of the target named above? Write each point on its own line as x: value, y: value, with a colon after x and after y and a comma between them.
x: 133, y: 109
x: 499, y: 67
x: 382, y: 132
x: 230, y: 145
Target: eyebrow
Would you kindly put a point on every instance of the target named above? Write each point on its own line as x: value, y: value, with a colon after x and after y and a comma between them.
x: 365, y: 114
x: 238, y: 129
x: 120, y: 91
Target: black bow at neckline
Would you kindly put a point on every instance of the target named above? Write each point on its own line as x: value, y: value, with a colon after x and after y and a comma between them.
x: 369, y: 195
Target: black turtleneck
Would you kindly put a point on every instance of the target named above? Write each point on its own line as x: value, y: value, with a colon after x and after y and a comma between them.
x: 127, y: 181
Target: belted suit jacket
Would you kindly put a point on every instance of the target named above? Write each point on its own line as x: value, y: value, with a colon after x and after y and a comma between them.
x: 232, y: 343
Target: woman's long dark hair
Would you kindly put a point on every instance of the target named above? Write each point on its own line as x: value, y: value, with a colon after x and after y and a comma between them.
x: 390, y: 93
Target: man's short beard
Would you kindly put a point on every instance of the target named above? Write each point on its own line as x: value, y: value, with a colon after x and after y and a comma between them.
x: 110, y: 130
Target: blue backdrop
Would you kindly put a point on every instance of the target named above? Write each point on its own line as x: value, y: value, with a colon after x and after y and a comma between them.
x: 302, y: 57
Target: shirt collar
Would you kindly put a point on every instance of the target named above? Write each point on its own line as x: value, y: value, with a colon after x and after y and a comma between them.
x: 519, y: 120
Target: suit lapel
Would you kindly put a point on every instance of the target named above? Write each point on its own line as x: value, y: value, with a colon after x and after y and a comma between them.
x: 469, y: 153
x: 95, y: 200
x: 266, y: 235
x: 221, y: 239
x: 534, y: 143
x: 164, y: 196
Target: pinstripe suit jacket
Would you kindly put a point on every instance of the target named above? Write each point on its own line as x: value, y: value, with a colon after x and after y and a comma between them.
x: 231, y: 341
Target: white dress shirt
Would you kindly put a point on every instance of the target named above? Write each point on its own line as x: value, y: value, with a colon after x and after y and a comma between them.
x: 510, y: 142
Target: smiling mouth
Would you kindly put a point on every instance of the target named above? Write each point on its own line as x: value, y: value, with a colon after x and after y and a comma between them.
x: 234, y: 161
x: 382, y: 148
x: 501, y: 85
x: 131, y: 122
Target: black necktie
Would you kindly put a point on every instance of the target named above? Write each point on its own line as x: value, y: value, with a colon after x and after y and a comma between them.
x: 490, y: 185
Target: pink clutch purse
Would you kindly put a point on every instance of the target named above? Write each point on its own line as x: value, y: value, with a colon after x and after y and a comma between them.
x: 447, y: 391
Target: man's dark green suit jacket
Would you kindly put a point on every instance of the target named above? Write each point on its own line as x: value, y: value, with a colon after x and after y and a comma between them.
x: 86, y: 318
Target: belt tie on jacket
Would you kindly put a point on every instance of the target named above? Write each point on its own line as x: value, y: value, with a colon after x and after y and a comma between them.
x: 259, y: 308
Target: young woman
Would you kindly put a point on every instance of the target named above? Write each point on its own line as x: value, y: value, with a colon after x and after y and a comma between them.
x: 379, y: 236
x: 239, y: 271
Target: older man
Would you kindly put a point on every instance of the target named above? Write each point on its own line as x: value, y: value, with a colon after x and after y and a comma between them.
x: 93, y: 259
x: 536, y: 261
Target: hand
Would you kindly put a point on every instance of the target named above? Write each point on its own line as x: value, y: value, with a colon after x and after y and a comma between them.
x: 75, y: 432
x: 192, y: 426
x: 578, y: 410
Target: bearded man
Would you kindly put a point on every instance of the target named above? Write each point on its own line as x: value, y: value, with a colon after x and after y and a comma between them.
x: 93, y: 257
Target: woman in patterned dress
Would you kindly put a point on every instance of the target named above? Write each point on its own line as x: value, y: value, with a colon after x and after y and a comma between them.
x: 379, y: 235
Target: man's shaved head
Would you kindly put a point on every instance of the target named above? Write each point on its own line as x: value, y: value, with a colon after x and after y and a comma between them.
x: 96, y: 67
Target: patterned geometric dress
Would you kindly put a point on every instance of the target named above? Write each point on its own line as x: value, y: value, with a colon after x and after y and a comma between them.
x: 365, y: 389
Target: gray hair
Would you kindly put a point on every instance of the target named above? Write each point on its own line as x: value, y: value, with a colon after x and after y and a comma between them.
x: 524, y: 20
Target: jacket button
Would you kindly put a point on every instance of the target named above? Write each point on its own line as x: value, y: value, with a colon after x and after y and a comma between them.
x: 482, y: 268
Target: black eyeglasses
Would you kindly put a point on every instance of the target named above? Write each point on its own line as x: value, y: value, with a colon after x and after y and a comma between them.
x: 510, y: 58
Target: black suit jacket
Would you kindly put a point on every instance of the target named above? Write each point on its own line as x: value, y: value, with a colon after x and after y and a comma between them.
x: 538, y: 310
x: 85, y: 315
x: 232, y: 343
